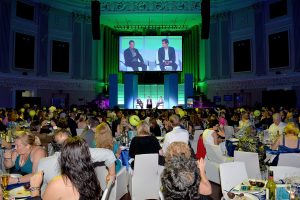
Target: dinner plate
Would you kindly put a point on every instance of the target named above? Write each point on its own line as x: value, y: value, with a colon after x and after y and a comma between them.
x: 246, y: 195
x: 19, y: 192
x: 123, y: 148
x: 15, y: 175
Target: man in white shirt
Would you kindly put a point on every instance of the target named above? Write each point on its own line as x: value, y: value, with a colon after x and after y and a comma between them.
x: 178, y: 134
x: 276, y: 129
x: 50, y: 165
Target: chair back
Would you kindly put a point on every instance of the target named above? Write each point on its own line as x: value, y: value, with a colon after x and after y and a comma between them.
x: 282, y: 172
x: 194, y: 142
x: 101, y: 173
x: 145, y: 178
x: 229, y: 131
x: 119, y: 189
x: 214, y: 153
x: 79, y: 131
x: 232, y: 174
x: 107, y: 190
x: 289, y: 159
x: 251, y: 162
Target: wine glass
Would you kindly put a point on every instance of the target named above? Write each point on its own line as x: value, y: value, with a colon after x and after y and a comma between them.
x: 4, y: 179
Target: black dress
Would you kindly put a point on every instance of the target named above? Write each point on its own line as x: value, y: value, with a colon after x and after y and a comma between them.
x: 143, y: 145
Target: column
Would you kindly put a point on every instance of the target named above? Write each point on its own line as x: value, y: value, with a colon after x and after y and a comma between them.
x: 76, y: 46
x: 260, y: 38
x: 113, y: 90
x: 87, y: 67
x: 130, y: 90
x: 296, y: 18
x: 215, y: 50
x: 225, y: 49
x: 42, y: 53
x: 188, y: 87
x: 170, y: 90
x: 5, y: 20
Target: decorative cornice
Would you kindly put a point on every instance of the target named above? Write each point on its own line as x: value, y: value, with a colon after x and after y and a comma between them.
x: 79, y: 17
x: 46, y: 83
x: 255, y: 83
x: 108, y: 7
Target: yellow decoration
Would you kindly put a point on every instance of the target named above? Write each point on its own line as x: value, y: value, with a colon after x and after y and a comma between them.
x: 32, y: 113
x: 256, y: 113
x: 134, y: 120
x: 52, y: 108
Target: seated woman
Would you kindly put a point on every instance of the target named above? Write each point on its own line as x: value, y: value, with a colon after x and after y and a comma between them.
x: 104, y: 139
x: 123, y: 127
x: 181, y: 179
x: 78, y: 179
x: 288, y: 142
x: 143, y: 143
x: 154, y: 127
x: 213, y: 135
x: 25, y: 158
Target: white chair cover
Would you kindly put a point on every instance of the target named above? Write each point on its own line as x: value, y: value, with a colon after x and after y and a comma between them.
x: 145, y: 178
x: 231, y: 175
x: 119, y: 189
x: 282, y: 172
x: 289, y: 159
x: 251, y: 162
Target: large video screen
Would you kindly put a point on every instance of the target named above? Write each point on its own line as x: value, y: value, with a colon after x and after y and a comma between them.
x: 150, y: 53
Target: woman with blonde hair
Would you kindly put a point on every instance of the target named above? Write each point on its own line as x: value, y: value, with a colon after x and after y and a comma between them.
x: 104, y: 139
x: 25, y: 157
x: 288, y: 142
x: 144, y: 142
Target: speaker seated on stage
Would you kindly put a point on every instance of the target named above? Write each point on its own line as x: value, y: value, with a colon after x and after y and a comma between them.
x: 149, y: 102
x: 139, y: 102
x: 167, y: 56
x: 133, y: 58
x: 159, y: 102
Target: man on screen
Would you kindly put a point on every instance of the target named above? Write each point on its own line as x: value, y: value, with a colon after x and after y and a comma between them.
x: 133, y: 58
x: 167, y: 56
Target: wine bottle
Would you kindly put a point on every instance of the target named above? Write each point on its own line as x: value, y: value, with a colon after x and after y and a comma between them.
x: 270, y: 187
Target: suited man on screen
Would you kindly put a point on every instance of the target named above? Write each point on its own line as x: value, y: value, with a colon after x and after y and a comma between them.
x: 133, y: 58
x: 167, y: 56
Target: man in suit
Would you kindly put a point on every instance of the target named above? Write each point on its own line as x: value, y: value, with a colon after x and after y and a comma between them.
x: 139, y: 102
x: 133, y: 58
x: 149, y: 102
x: 160, y: 101
x: 166, y: 56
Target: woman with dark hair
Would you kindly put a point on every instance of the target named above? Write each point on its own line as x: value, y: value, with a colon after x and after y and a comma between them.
x: 78, y: 180
x: 181, y: 180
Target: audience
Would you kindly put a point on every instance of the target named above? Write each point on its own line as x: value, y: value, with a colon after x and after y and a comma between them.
x: 89, y: 135
x: 276, y: 129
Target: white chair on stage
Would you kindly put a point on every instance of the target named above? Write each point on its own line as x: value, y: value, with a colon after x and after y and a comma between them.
x: 251, y: 162
x: 194, y: 142
x: 145, y: 178
x: 214, y: 157
x: 289, y: 159
x: 229, y: 131
x: 232, y: 174
x: 282, y: 172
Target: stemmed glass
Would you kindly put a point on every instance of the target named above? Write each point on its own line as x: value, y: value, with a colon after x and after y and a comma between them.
x: 4, y: 179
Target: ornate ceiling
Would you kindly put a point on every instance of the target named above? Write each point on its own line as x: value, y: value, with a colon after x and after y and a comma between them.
x: 149, y: 12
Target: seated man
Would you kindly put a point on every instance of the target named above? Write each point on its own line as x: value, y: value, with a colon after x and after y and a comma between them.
x: 160, y: 101
x: 149, y: 102
x: 133, y: 58
x: 139, y: 102
x: 167, y: 56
